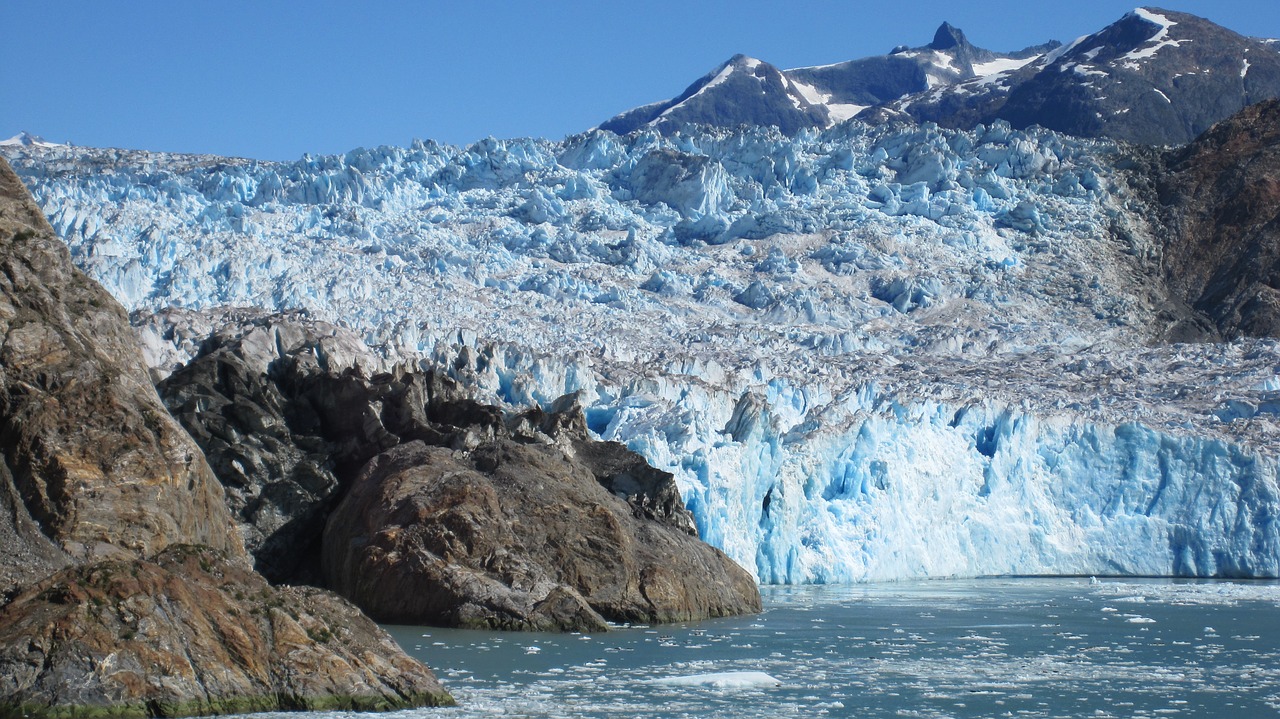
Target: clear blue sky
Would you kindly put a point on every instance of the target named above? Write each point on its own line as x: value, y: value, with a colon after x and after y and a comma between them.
x: 273, y: 80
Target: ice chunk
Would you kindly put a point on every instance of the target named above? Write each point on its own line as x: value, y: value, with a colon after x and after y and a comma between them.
x: 722, y: 680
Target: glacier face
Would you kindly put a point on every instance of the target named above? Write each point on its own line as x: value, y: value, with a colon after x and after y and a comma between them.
x: 864, y: 353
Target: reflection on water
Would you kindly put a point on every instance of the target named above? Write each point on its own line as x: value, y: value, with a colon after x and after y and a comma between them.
x: 971, y: 648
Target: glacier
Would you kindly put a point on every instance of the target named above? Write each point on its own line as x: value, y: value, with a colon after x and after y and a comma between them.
x: 866, y: 353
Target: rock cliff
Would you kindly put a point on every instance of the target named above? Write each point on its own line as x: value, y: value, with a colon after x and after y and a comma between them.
x: 96, y: 477
x: 94, y: 467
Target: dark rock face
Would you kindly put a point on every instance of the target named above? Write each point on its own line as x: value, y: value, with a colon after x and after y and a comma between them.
x: 1138, y: 81
x: 263, y: 405
x: 517, y: 536
x: 93, y: 466
x: 191, y: 633
x: 1221, y: 198
x: 456, y: 513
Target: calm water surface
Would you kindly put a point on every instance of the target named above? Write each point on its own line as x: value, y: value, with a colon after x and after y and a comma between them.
x: 972, y: 648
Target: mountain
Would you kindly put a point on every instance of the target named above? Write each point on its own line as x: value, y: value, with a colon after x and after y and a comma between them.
x: 26, y: 139
x: 746, y: 91
x: 741, y: 91
x: 1153, y: 77
x: 823, y: 338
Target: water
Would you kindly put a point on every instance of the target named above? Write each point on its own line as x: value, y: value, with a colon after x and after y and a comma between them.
x: 972, y: 648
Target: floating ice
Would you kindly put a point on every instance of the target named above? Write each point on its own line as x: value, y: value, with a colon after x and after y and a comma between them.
x: 722, y: 680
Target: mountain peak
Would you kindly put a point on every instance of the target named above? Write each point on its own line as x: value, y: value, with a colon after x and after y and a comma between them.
x: 27, y: 139
x: 740, y: 60
x: 947, y: 37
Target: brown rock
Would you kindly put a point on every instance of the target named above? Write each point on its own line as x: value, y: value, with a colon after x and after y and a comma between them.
x: 94, y: 467
x: 517, y: 536
x: 95, y: 473
x: 1221, y: 198
x: 192, y: 633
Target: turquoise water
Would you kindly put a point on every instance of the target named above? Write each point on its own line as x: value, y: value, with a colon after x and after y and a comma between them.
x: 971, y: 648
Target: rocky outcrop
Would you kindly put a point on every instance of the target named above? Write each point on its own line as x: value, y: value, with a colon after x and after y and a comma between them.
x: 1220, y: 196
x: 96, y: 476
x: 94, y: 467
x: 456, y: 512
x: 191, y: 633
x: 517, y: 536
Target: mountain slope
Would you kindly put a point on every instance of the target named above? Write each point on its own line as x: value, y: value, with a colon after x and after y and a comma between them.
x: 1222, y: 196
x: 1154, y: 77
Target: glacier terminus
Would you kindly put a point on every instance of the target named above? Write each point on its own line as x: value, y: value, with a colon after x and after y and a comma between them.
x: 866, y: 353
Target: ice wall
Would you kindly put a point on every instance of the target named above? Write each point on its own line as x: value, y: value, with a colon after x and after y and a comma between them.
x: 849, y: 482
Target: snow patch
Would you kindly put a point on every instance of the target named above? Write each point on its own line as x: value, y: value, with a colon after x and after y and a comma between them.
x: 1002, y: 65
x: 944, y: 61
x: 1158, y: 41
x: 1086, y: 71
x: 839, y: 112
x: 836, y: 112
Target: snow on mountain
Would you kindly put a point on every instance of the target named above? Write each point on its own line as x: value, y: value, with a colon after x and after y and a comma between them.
x: 863, y: 352
x: 26, y: 139
x: 823, y: 95
x: 1154, y: 77
x: 742, y: 91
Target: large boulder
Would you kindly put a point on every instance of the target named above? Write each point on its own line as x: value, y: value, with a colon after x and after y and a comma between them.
x: 93, y: 465
x: 190, y: 633
x: 518, y: 535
